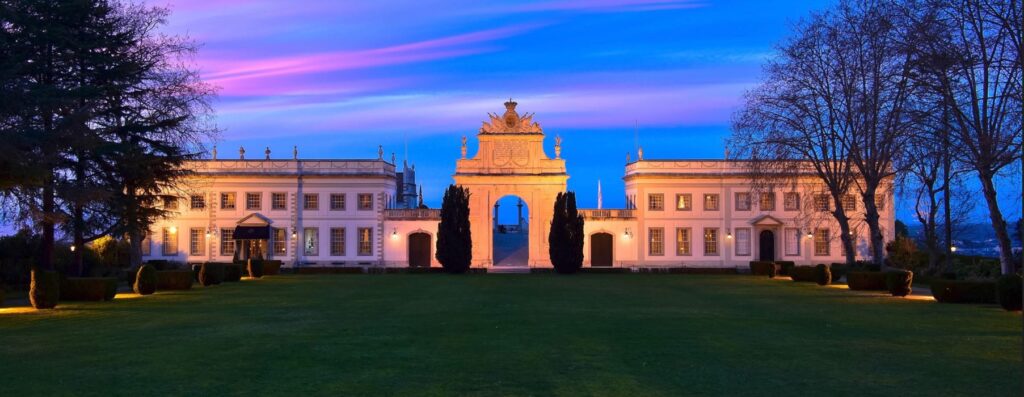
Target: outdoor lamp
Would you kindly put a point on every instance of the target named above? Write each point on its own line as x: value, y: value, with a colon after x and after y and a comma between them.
x: 627, y: 234
x: 172, y: 229
x: 809, y: 234
x: 728, y: 233
x: 394, y: 233
x: 72, y: 248
x: 952, y: 248
x: 294, y: 234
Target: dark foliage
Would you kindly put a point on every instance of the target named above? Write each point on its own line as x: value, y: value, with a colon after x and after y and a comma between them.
x: 88, y: 288
x: 44, y: 291
x: 763, y: 268
x: 962, y: 291
x: 822, y: 274
x: 271, y: 267
x: 1008, y: 289
x: 232, y: 272
x: 838, y: 271
x: 174, y: 280
x: 899, y: 282
x: 454, y: 239
x: 329, y: 270
x: 806, y: 274
x: 255, y: 268
x: 211, y: 273
x: 565, y: 240
x: 785, y: 267
x: 145, y: 280
x: 866, y: 281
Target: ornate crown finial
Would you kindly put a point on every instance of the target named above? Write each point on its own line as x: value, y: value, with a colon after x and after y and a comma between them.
x: 510, y: 105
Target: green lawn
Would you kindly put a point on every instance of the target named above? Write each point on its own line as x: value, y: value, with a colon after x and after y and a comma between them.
x: 639, y: 335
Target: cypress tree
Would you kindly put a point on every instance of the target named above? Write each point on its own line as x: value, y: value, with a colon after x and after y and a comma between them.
x: 565, y: 240
x: 454, y: 240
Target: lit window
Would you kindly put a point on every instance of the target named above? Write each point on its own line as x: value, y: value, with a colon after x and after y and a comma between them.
x: 683, y: 241
x: 710, y: 202
x: 278, y: 201
x: 365, y: 241
x: 338, y: 241
x: 767, y: 202
x: 822, y: 243
x: 743, y: 201
x: 280, y: 241
x: 227, y: 242
x: 656, y: 241
x: 170, y: 203
x: 792, y: 242
x: 311, y: 241
x: 196, y: 241
x: 253, y: 201
x: 197, y: 201
x: 821, y: 202
x: 792, y: 202
x: 656, y: 202
x: 170, y: 241
x: 743, y: 242
x: 711, y: 241
x: 337, y: 202
x: 684, y: 202
x: 227, y: 201
x: 365, y: 201
x: 849, y: 202
x: 310, y: 201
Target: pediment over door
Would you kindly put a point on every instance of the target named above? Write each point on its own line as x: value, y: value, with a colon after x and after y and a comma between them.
x: 766, y: 221
x: 254, y: 219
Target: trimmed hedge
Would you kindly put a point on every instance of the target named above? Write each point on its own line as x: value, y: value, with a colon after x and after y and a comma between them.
x: 329, y: 270
x: 807, y: 274
x: 605, y: 270
x: 88, y: 288
x: 255, y: 268
x: 899, y: 282
x: 44, y: 291
x: 233, y: 272
x: 822, y: 274
x: 763, y: 268
x: 838, y: 270
x: 145, y: 280
x: 962, y: 291
x: 174, y: 280
x: 866, y: 281
x: 785, y: 267
x: 1008, y: 290
x: 211, y: 273
x: 271, y: 267
x: 703, y: 270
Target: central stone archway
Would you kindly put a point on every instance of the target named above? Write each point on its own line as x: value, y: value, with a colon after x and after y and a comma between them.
x: 511, y: 162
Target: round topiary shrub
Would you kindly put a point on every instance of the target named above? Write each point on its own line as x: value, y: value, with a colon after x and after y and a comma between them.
x: 44, y: 290
x: 211, y: 273
x: 1008, y: 292
x: 255, y: 268
x: 145, y: 280
x: 233, y: 271
x: 773, y: 270
x: 822, y: 274
x: 899, y: 282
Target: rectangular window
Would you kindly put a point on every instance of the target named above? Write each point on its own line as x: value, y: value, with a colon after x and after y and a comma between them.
x: 170, y: 203
x: 743, y: 242
x: 254, y: 201
x: 821, y: 202
x: 792, y: 242
x: 338, y: 241
x: 227, y: 201
x: 743, y: 201
x: 711, y: 241
x: 311, y: 241
x: 227, y: 242
x: 656, y: 202
x: 822, y: 243
x: 310, y: 201
x: 849, y: 202
x: 278, y: 201
x: 767, y: 202
x: 684, y: 202
x: 170, y: 241
x: 656, y: 241
x: 147, y: 244
x: 365, y: 201
x: 280, y: 241
x: 792, y: 202
x: 365, y: 241
x: 710, y: 202
x: 197, y: 201
x: 337, y: 201
x: 683, y: 241
x: 196, y: 241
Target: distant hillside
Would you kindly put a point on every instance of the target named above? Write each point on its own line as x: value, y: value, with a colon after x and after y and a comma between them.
x: 973, y: 238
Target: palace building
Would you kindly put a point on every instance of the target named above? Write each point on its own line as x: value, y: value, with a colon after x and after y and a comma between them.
x: 333, y: 212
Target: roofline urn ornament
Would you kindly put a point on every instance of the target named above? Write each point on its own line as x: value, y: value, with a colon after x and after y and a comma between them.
x: 558, y: 147
x: 267, y: 152
x: 241, y: 153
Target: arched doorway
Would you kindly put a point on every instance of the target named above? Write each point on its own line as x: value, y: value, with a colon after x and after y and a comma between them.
x: 511, y: 232
x: 419, y: 250
x: 601, y: 250
x: 767, y: 243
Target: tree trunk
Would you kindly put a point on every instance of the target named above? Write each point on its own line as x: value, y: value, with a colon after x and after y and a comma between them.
x: 47, y: 222
x: 844, y: 229
x: 1005, y: 250
x: 874, y: 229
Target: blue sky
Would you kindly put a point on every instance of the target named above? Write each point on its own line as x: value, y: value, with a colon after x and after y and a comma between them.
x: 337, y: 78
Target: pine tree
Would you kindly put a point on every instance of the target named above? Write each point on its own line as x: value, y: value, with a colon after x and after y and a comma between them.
x: 454, y: 240
x: 565, y: 240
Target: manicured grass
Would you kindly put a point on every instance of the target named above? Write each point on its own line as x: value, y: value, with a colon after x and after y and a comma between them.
x: 535, y: 334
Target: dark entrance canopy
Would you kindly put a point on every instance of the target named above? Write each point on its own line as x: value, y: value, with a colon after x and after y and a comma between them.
x: 252, y: 233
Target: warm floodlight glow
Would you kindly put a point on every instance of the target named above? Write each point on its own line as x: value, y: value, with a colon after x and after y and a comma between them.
x: 72, y: 248
x: 127, y: 295
x: 18, y: 310
x: 173, y: 229
x: 394, y: 234
x: 626, y: 235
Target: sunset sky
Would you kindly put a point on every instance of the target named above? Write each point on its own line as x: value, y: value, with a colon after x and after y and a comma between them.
x: 337, y: 78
